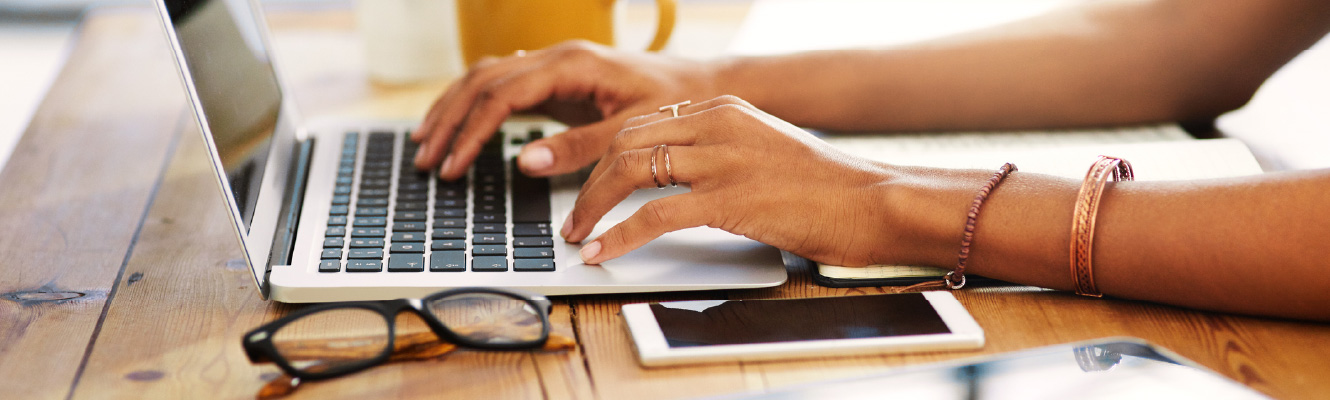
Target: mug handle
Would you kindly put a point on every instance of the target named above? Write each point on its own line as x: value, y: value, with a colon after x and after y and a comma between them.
x: 665, y: 27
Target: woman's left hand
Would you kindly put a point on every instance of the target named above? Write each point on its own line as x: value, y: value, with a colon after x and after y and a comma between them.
x: 751, y: 174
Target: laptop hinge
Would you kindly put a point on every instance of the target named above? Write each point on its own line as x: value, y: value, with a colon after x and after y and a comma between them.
x: 284, y: 239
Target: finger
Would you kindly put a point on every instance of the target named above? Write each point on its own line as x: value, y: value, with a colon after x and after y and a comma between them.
x: 655, y: 218
x: 682, y: 131
x: 630, y: 171
x: 567, y: 151
x: 441, y: 122
x: 495, y: 102
x: 665, y: 113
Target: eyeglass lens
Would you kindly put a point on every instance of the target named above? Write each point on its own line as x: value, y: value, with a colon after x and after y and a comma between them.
x: 487, y: 318
x: 332, y: 339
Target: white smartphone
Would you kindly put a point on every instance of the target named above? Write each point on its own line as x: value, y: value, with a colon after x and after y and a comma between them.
x: 685, y: 332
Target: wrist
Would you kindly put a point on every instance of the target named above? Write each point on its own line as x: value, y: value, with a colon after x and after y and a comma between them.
x: 925, y: 212
x: 731, y: 76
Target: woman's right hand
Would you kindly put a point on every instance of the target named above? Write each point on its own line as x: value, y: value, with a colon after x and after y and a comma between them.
x: 590, y: 87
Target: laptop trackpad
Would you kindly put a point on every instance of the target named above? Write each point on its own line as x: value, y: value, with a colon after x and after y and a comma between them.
x: 693, y: 254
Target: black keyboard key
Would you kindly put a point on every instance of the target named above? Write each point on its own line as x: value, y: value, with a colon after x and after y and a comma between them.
x: 330, y: 266
x: 409, y: 216
x: 378, y: 202
x: 489, y: 208
x: 488, y: 218
x: 450, y: 193
x: 409, y: 226
x: 364, y: 266
x: 339, y: 220
x: 332, y: 253
x: 406, y: 263
x: 373, y: 193
x: 341, y: 199
x: 448, y: 233
x: 450, y: 203
x: 409, y: 237
x: 407, y: 247
x: 368, y: 232
x: 366, y: 243
x: 533, y: 242
x: 489, y: 198
x: 413, y: 186
x: 365, y: 253
x: 531, y: 198
x: 371, y: 211
x: 533, y: 252
x: 449, y: 213
x: 335, y: 231
x: 489, y: 264
x: 541, y: 229
x: 343, y: 189
x: 489, y: 228
x: 488, y: 238
x: 489, y: 250
x: 372, y: 174
x: 449, y: 223
x: 376, y: 183
x: 533, y: 264
x: 370, y: 222
x: 409, y: 196
x: 440, y: 245
x: 334, y: 242
x: 447, y: 261
x: 411, y: 206
x: 489, y: 188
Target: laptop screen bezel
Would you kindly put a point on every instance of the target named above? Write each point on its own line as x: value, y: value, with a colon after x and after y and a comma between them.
x: 257, y: 240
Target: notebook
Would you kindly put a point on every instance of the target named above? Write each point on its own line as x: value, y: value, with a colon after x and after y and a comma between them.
x: 332, y: 210
x: 1157, y: 153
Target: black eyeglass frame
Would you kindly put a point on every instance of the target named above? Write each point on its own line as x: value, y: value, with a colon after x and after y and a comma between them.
x: 259, y: 346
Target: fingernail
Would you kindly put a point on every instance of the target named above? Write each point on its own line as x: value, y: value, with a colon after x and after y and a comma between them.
x: 420, y: 155
x: 590, y: 251
x: 567, y: 226
x: 447, y: 166
x: 536, y: 158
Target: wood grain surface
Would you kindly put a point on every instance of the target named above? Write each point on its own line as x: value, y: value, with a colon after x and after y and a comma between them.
x: 121, y: 278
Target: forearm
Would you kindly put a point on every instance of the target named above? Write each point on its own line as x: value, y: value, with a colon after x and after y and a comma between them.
x: 1248, y: 245
x: 1100, y: 63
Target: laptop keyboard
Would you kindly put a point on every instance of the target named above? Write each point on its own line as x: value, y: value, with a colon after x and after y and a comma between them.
x: 398, y: 219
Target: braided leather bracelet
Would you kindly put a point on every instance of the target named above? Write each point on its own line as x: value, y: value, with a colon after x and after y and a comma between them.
x: 1083, y: 219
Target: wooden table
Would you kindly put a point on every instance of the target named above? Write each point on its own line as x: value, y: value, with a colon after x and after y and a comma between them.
x: 119, y: 280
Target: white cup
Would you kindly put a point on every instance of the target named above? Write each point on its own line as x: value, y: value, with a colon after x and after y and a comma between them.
x: 408, y: 41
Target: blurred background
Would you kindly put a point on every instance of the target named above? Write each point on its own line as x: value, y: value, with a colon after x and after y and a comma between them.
x: 35, y: 36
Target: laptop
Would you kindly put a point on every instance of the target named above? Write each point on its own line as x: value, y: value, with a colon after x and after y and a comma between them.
x: 332, y: 210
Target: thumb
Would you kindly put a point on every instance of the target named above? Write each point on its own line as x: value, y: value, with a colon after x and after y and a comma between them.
x: 568, y: 151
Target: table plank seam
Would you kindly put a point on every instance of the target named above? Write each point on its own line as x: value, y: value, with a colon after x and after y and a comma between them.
x: 129, y: 252
x: 581, y: 347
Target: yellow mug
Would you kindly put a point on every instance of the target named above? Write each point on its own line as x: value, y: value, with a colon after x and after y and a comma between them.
x: 502, y: 27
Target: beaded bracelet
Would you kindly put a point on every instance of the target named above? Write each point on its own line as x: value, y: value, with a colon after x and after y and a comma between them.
x: 1083, y: 219
x: 956, y: 278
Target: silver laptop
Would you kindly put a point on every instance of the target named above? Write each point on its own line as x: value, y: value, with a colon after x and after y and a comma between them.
x: 332, y: 210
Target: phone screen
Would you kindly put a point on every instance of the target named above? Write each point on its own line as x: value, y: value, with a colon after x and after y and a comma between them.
x: 708, y: 323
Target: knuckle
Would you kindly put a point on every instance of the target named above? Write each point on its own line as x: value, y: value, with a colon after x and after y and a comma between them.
x: 478, y: 67
x: 623, y: 163
x: 634, y: 122
x: 730, y: 99
x: 656, y: 213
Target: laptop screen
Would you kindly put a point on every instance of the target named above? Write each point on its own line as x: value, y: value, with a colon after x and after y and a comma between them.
x: 228, y: 63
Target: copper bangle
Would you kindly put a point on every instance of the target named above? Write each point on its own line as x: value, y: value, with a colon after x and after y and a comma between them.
x: 1083, y: 219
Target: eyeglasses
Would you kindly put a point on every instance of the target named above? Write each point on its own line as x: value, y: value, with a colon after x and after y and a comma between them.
x: 332, y: 340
